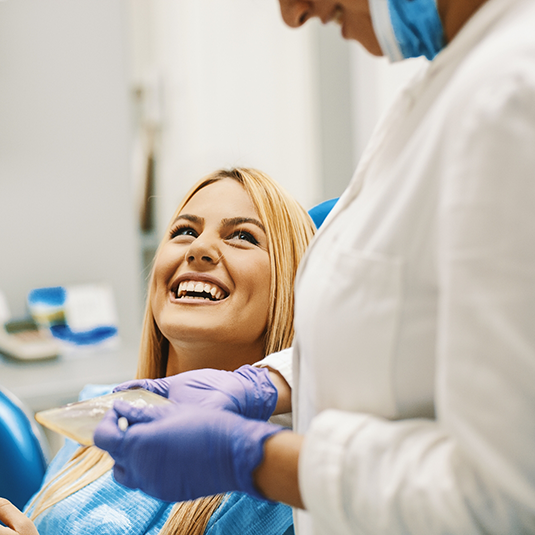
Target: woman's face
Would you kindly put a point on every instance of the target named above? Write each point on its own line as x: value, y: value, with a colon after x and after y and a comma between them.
x: 212, y: 277
x: 352, y: 15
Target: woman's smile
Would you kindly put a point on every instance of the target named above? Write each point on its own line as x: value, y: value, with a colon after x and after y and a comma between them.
x: 212, y: 276
x: 198, y: 288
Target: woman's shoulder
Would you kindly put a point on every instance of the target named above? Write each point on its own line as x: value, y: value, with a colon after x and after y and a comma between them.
x: 240, y: 513
x: 104, y: 507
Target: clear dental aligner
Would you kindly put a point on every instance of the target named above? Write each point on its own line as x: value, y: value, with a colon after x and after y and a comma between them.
x: 79, y: 420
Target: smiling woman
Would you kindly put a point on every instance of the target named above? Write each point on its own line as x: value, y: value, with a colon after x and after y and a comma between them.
x: 220, y: 296
x: 283, y: 230
x: 212, y: 281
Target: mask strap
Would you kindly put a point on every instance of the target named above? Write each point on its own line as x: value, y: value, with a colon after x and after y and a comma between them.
x: 382, y: 25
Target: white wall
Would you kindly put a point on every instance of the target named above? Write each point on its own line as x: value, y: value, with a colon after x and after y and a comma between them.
x: 66, y: 208
x: 228, y: 84
x: 238, y: 89
x: 336, y: 128
x: 375, y: 83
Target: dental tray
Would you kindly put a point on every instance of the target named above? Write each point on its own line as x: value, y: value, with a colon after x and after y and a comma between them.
x: 79, y: 420
x: 24, y: 340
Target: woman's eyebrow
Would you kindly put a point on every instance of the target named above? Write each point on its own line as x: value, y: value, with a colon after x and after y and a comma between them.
x: 190, y: 217
x: 233, y: 221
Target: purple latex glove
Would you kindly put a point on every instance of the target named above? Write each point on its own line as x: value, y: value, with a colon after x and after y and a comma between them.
x: 182, y: 452
x: 247, y: 391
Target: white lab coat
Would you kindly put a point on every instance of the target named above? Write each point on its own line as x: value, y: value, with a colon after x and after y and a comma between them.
x: 414, y: 356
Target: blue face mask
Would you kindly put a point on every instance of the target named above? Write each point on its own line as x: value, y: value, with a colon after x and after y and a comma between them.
x: 407, y: 28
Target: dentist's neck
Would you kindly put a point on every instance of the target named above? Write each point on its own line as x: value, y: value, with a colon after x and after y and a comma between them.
x: 456, y: 13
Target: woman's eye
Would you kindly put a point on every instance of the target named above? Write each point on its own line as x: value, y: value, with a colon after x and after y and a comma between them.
x: 183, y: 231
x: 243, y: 235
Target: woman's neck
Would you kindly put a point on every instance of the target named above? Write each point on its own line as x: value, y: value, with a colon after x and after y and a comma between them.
x: 456, y: 13
x: 187, y: 357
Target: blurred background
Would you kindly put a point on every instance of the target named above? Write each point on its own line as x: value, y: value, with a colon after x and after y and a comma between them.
x: 111, y: 109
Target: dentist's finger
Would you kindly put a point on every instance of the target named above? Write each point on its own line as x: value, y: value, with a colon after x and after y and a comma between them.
x: 158, y: 386
x: 108, y: 435
x: 138, y: 415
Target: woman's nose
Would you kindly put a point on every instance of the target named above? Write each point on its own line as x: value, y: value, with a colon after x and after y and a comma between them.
x: 295, y: 12
x: 203, y: 250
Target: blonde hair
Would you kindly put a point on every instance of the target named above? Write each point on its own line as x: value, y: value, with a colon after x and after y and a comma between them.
x: 289, y: 229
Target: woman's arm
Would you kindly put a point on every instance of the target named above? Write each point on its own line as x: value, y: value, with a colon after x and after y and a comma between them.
x: 280, y: 372
x: 284, y: 392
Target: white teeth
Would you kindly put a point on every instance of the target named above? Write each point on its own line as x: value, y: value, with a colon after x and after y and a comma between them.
x: 198, y: 287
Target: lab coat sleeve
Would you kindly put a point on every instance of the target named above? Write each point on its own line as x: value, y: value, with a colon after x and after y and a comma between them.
x: 281, y: 362
x: 472, y: 470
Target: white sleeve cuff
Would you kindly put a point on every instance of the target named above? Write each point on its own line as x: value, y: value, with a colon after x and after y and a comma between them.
x: 281, y: 362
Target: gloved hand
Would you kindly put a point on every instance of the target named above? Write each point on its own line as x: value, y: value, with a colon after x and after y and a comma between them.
x: 182, y: 452
x: 247, y: 391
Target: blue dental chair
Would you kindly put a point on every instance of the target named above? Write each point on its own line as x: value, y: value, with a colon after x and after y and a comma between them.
x: 319, y: 212
x: 23, y: 451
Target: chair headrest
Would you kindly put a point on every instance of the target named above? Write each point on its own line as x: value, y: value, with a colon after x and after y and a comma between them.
x: 319, y: 212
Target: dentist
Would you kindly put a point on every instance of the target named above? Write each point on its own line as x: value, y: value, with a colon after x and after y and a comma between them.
x: 414, y: 353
